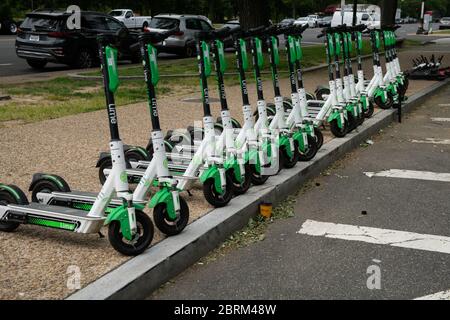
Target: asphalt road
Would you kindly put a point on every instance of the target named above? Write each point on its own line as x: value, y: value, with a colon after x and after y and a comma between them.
x: 289, y: 264
x: 11, y: 65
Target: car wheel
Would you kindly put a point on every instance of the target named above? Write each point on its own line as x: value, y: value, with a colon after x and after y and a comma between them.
x: 12, y: 28
x: 85, y: 59
x: 37, y: 64
x: 189, y: 51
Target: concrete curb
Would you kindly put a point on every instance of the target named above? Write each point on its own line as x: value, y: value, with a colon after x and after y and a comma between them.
x: 138, y: 277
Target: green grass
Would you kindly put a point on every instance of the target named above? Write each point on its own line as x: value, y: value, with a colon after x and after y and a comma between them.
x: 445, y: 31
x: 36, y: 101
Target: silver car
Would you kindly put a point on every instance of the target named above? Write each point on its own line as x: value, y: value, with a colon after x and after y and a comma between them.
x: 183, y: 42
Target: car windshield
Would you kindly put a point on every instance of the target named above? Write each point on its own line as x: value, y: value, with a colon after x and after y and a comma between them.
x: 42, y: 23
x: 446, y: 19
x: 164, y: 23
x: 115, y: 13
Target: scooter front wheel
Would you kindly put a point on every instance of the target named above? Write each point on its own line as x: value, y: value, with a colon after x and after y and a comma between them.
x: 319, y: 137
x: 168, y: 226
x: 336, y: 131
x: 215, y: 198
x: 387, y: 104
x: 257, y: 178
x: 241, y: 188
x: 289, y: 162
x: 310, y: 152
x: 370, y: 109
x: 142, y: 238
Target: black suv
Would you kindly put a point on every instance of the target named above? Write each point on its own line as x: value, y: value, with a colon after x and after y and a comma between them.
x: 44, y: 37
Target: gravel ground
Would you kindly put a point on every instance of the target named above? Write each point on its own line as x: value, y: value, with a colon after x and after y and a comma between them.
x: 35, y: 260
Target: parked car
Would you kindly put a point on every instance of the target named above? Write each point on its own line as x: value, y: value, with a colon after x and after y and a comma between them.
x: 44, y: 37
x: 232, y: 24
x: 287, y: 22
x: 129, y: 19
x: 183, y: 42
x: 7, y: 26
x: 444, y: 23
x: 325, y: 21
x: 371, y: 20
x: 315, y: 20
x: 306, y: 20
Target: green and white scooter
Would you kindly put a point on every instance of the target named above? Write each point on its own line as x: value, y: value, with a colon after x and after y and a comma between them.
x: 206, y: 164
x: 170, y: 211
x: 130, y: 230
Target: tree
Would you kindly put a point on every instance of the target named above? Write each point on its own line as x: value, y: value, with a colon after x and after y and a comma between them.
x: 388, y: 9
x: 253, y: 13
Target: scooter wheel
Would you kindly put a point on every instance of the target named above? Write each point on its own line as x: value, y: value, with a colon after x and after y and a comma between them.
x: 387, y: 104
x: 133, y: 155
x: 257, y: 178
x: 360, y: 119
x: 241, y: 188
x: 319, y: 137
x: 165, y: 224
x: 107, y: 164
x: 215, y: 198
x: 336, y: 131
x: 352, y: 122
x: 321, y: 92
x: 370, y: 109
x: 7, y: 198
x: 289, y: 162
x: 47, y: 186
x: 143, y: 237
x: 310, y: 152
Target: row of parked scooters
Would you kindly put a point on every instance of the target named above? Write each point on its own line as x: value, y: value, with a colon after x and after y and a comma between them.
x: 223, y: 155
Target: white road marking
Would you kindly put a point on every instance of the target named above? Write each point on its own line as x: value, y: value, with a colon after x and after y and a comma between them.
x: 432, y: 141
x: 393, y: 238
x: 440, y: 119
x: 443, y: 295
x: 411, y: 174
x: 5, y: 64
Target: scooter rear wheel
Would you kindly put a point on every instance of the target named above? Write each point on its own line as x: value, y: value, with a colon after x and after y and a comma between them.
x: 7, y: 198
x: 165, y: 224
x: 143, y: 237
x: 336, y: 131
x: 215, y: 198
x: 46, y: 186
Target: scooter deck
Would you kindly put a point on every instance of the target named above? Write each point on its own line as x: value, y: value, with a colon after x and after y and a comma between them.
x: 51, y: 211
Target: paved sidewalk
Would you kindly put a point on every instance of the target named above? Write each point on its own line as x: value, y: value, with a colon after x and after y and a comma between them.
x: 375, y: 226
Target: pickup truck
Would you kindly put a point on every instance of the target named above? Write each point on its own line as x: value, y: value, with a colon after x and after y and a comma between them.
x: 130, y: 20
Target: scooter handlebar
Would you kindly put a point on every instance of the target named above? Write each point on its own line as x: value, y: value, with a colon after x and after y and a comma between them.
x: 218, y: 34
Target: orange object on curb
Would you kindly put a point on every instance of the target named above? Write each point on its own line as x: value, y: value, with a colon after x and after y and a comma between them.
x: 265, y: 209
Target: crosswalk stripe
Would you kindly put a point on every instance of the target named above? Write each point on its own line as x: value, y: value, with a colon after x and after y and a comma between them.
x: 443, y: 295
x: 432, y: 141
x: 411, y: 174
x: 389, y: 237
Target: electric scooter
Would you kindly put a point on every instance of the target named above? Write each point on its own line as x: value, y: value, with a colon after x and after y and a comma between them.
x: 130, y: 230
x: 206, y: 164
x: 170, y: 211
